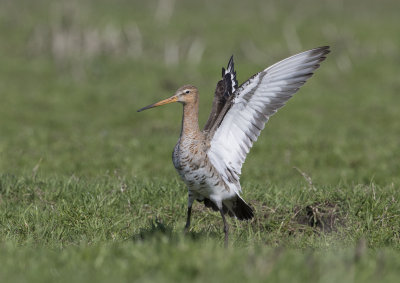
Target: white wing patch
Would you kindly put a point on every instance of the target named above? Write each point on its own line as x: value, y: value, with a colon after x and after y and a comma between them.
x: 254, y: 102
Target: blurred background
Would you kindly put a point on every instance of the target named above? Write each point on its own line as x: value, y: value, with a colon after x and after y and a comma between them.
x: 73, y: 74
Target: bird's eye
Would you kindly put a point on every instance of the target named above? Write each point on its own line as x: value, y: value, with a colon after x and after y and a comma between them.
x: 187, y: 91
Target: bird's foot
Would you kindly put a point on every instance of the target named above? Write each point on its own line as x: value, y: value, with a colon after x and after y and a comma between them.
x: 186, y: 230
x: 226, y: 241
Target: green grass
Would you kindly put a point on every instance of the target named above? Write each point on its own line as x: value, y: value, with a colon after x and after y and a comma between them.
x: 88, y: 192
x: 107, y: 228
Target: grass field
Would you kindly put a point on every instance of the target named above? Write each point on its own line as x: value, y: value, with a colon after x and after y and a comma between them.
x: 88, y: 192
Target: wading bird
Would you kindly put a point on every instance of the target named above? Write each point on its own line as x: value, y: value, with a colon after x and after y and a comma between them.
x: 210, y: 161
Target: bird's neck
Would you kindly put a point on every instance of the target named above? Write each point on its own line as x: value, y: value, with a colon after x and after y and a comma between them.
x: 190, y: 120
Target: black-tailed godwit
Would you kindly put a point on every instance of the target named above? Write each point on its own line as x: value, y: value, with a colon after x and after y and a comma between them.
x: 209, y: 161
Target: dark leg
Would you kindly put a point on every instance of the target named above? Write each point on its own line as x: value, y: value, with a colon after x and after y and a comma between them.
x: 189, y: 213
x: 226, y: 227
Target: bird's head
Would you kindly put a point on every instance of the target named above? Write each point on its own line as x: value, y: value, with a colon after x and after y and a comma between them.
x: 185, y: 94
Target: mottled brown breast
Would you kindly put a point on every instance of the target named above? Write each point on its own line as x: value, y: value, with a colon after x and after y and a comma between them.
x: 190, y: 152
x: 194, y: 167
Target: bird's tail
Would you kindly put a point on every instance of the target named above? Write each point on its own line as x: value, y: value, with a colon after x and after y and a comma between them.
x: 242, y: 210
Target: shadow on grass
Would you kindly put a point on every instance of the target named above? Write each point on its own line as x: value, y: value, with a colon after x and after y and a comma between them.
x: 158, y: 231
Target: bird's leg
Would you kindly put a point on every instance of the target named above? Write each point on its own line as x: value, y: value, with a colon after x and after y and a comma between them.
x: 189, y: 212
x: 226, y: 227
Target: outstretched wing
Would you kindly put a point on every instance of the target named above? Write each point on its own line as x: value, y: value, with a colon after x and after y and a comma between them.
x: 224, y: 90
x: 251, y: 106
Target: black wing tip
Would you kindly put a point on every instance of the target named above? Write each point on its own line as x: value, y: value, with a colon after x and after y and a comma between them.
x: 325, y: 47
x: 230, y: 68
x: 230, y: 63
x: 229, y: 76
x: 323, y: 50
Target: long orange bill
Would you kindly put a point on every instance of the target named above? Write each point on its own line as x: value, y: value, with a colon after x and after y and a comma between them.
x: 162, y: 102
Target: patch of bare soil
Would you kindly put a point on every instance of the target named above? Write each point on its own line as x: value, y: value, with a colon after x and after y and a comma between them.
x: 320, y: 217
x: 323, y: 216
